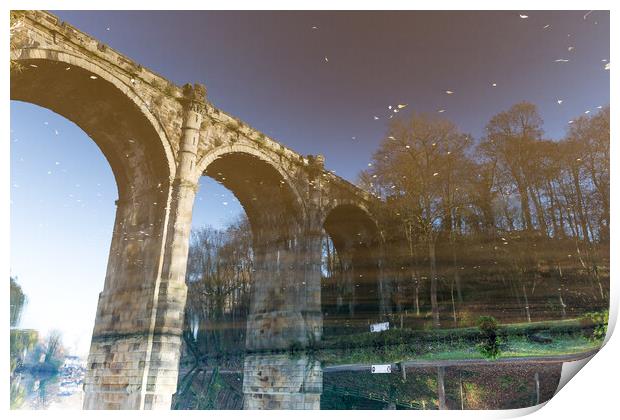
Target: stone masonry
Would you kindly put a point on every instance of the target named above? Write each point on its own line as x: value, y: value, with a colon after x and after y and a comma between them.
x: 159, y: 139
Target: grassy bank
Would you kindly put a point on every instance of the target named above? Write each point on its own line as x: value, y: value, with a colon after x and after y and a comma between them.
x: 517, y: 340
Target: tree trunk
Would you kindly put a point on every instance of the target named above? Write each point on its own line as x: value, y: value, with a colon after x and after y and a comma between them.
x: 417, y: 297
x: 562, y: 304
x: 527, y: 305
x: 433, y: 273
x: 552, y: 208
x: 603, y: 192
x: 525, y: 206
x: 540, y: 213
x: 537, y: 385
x: 461, y: 389
x: 413, y: 263
x: 441, y: 391
x: 580, y: 212
x: 453, y: 305
x: 457, y: 276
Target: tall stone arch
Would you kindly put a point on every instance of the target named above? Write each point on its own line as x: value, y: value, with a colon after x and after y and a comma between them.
x: 281, y: 315
x: 55, y: 67
x: 359, y: 244
x: 273, y: 187
x: 159, y: 139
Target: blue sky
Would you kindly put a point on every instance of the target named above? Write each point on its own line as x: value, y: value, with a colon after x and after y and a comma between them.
x: 314, y: 90
x: 62, y: 214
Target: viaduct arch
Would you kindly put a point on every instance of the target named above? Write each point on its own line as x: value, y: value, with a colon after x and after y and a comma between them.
x: 159, y: 139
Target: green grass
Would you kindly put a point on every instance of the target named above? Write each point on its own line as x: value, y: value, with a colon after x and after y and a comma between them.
x: 521, y: 347
x: 454, y: 344
x: 397, y: 345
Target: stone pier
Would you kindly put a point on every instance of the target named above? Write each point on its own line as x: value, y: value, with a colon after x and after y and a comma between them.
x: 283, y: 382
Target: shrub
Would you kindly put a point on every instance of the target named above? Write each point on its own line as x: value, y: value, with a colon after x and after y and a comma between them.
x: 489, y: 347
x: 487, y: 324
x: 598, y: 322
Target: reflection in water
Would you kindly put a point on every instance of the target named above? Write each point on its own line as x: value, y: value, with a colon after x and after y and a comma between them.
x: 222, y: 369
x: 463, y: 256
x: 297, y: 381
x: 42, y: 391
x: 35, y: 388
x: 453, y: 387
x: 282, y: 381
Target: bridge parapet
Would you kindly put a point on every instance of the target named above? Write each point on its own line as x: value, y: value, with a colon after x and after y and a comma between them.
x: 41, y: 35
x: 43, y: 30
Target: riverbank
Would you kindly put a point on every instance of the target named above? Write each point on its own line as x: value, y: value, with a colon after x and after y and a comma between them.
x: 524, y: 341
x: 528, y: 340
x: 435, y: 363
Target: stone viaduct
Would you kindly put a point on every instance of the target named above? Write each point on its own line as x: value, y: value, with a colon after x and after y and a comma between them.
x: 159, y: 140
